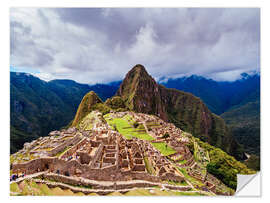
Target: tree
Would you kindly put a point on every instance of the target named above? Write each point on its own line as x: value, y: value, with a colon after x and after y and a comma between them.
x: 165, y: 136
x: 136, y: 124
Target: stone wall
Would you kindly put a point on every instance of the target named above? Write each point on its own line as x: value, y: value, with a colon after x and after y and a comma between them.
x: 172, y: 177
x: 73, y: 149
x: 97, y: 155
x: 33, y: 166
x: 96, y: 185
x: 61, y: 147
x: 140, y: 176
x: 85, y: 158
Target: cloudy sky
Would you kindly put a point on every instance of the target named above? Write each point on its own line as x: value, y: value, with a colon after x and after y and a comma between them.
x: 100, y: 45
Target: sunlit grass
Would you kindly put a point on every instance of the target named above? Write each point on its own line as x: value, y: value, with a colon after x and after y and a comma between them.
x: 164, y: 148
x: 124, y: 127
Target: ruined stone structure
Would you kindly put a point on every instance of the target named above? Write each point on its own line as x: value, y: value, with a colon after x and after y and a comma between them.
x: 103, y: 154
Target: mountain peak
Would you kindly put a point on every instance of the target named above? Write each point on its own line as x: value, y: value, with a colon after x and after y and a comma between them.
x: 140, y: 92
x: 85, y: 107
x: 138, y: 72
x: 139, y: 68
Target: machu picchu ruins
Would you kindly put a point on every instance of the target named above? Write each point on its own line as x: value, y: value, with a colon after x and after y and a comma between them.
x: 116, y: 152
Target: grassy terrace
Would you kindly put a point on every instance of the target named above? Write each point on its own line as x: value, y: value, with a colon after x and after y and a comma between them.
x: 164, y: 148
x: 124, y: 126
x: 152, y: 125
x: 59, y: 154
x: 40, y: 189
x: 183, y: 183
x: 182, y: 161
x: 87, y: 122
x: 189, y: 178
x: 20, y: 158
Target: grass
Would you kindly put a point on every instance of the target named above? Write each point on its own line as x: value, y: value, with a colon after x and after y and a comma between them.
x: 124, y: 127
x: 158, y: 192
x: 40, y: 189
x: 163, y: 148
x: 87, y: 122
x: 182, y: 161
x: 14, y: 187
x: 194, y: 181
x: 152, y: 125
x: 62, y: 152
x: 115, y: 194
x: 20, y: 158
x: 45, y: 189
x: 182, y: 183
x: 138, y: 192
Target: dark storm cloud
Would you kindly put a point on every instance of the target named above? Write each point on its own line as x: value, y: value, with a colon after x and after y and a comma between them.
x: 100, y: 45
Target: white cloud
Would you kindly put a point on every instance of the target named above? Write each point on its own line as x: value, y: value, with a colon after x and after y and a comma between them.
x: 101, y: 45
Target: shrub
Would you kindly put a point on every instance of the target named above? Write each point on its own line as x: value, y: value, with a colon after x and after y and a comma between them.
x: 135, y: 124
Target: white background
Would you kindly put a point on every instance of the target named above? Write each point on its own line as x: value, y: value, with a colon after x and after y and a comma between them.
x: 4, y: 99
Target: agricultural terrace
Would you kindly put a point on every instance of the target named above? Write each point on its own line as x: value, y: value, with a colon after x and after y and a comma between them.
x: 125, y: 126
x: 163, y: 148
x: 30, y: 187
x: 152, y: 124
x: 88, y: 121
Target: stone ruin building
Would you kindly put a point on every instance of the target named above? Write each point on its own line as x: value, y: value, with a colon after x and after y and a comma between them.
x: 103, y: 154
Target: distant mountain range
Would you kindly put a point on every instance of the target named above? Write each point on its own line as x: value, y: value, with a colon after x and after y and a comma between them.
x: 219, y: 96
x: 238, y: 102
x: 38, y: 107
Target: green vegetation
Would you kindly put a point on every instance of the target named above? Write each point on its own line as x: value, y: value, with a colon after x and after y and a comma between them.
x: 183, y: 109
x: 182, y: 161
x: 163, y: 148
x: 115, y: 103
x: 41, y: 189
x: 193, y: 181
x: 18, y: 138
x: 158, y: 192
x: 224, y: 166
x: 86, y: 106
x: 124, y: 126
x: 102, y: 108
x: 38, y: 107
x: 166, y: 135
x: 244, y: 122
x: 88, y: 121
x: 182, y: 183
x: 135, y: 124
x: 14, y: 187
x: 237, y: 102
x: 19, y: 158
x: 253, y: 162
x: 59, y: 154
x: 152, y: 125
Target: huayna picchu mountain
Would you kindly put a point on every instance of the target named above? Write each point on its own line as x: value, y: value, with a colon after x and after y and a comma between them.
x: 141, y: 93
